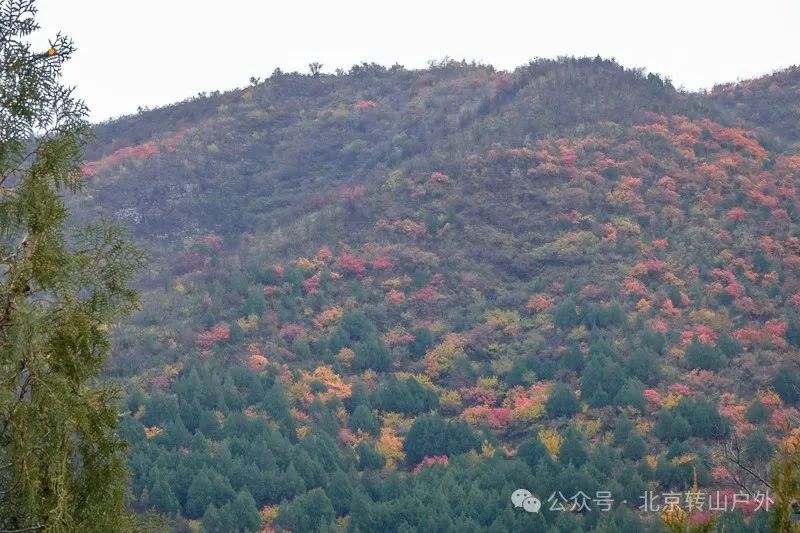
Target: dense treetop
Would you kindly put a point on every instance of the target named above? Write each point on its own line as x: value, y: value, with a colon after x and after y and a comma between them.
x: 385, y: 299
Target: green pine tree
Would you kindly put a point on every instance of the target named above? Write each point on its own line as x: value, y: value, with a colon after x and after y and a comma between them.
x: 163, y: 498
x: 365, y: 420
x: 201, y: 493
x: 61, y: 463
x: 212, y: 521
x: 244, y: 509
x: 310, y: 512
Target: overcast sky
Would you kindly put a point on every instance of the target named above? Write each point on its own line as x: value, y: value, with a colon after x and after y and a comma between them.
x: 154, y: 52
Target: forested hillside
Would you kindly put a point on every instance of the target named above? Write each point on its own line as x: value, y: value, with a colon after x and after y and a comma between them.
x: 383, y: 300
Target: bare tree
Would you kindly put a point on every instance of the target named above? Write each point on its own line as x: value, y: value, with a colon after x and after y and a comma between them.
x: 315, y: 68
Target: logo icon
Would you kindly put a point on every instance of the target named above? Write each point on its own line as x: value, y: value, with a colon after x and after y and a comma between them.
x: 532, y: 504
x: 523, y: 498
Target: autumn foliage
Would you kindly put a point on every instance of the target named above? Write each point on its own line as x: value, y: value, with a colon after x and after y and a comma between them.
x: 515, y: 258
x: 209, y: 338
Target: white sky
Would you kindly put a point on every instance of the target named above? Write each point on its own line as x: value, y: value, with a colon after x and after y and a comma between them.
x: 153, y: 52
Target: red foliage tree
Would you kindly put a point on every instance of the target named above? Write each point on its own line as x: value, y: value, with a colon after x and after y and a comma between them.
x: 501, y: 82
x: 350, y: 264
x: 609, y: 232
x: 776, y: 330
x: 269, y: 290
x: 325, y: 254
x: 137, y: 152
x: 311, y: 285
x: 428, y: 462
x: 680, y: 389
x: 257, y: 362
x: 540, y: 302
x: 736, y: 214
x: 701, y: 332
x: 648, y: 267
x: 362, y: 105
x: 290, y: 332
x: 428, y: 293
x: 209, y: 338
x: 382, y: 263
x: 653, y: 398
x: 499, y: 417
x: 351, y: 195
x: 395, y: 296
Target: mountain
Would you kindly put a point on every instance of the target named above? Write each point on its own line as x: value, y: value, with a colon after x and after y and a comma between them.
x: 387, y: 299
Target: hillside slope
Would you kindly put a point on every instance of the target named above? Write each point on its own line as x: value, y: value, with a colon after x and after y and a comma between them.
x: 280, y: 145
x: 385, y: 300
x: 769, y: 103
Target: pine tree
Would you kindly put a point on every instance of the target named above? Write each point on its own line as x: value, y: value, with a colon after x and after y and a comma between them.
x: 757, y: 413
x: 61, y: 464
x: 311, y: 511
x: 340, y: 492
x: 562, y: 402
x: 163, y: 498
x: 758, y: 447
x: 244, y: 509
x: 212, y: 521
x: 622, y: 429
x: 635, y: 447
x: 292, y: 483
x: 532, y: 451
x: 368, y: 457
x: 572, y: 451
x: 201, y: 493
x: 364, y: 420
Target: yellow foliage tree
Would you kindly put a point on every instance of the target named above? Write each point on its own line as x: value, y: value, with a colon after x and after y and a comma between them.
x: 552, y: 440
x: 487, y: 450
x: 441, y: 357
x: 303, y: 263
x: 450, y: 402
x: 336, y: 387
x: 508, y: 321
x: 329, y: 317
x: 390, y: 445
x: 345, y: 357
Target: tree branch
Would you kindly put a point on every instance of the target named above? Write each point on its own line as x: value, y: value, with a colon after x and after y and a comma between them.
x: 733, y: 455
